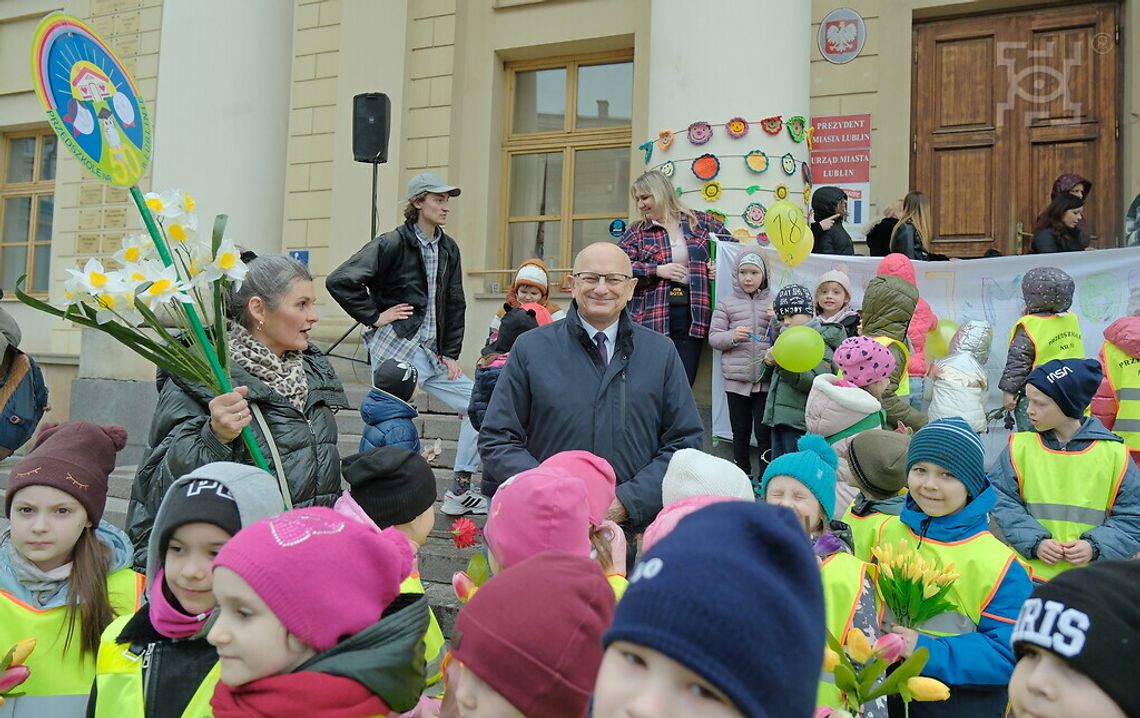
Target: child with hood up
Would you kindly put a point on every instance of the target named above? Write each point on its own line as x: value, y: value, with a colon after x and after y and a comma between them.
x: 838, y: 409
x: 833, y: 301
x: 889, y: 303
x: 958, y: 381
x: 487, y: 370
x: 531, y: 285
x: 1067, y: 492
x: 1047, y: 330
x: 829, y: 209
x: 740, y: 330
x: 156, y: 662
x: 1114, y: 403
x: 921, y: 324
x: 295, y: 628
x: 64, y: 572
x: 787, y: 398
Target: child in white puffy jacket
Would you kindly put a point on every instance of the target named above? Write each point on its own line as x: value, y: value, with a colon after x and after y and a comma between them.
x: 960, y: 386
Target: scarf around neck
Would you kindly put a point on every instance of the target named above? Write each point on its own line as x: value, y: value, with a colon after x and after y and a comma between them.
x: 283, y: 374
x: 44, y: 586
x: 321, y: 695
x: 168, y: 619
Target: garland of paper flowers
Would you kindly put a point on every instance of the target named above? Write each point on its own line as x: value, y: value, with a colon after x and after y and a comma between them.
x: 712, y: 191
x: 700, y: 132
x: 707, y: 166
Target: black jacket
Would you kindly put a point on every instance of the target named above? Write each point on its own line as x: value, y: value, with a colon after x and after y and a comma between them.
x: 879, y: 237
x: 835, y: 240
x: 556, y: 395
x: 1046, y: 242
x: 388, y: 271
x: 173, y: 671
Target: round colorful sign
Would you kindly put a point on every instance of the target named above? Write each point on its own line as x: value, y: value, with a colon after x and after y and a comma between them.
x: 842, y: 35
x: 92, y: 103
x: 617, y: 228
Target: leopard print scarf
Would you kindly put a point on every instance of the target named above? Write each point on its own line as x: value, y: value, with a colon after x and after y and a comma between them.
x: 285, y: 374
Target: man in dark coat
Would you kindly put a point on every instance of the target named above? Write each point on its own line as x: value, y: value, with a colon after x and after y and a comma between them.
x: 595, y: 381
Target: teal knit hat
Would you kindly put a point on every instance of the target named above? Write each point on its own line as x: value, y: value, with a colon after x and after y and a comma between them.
x: 813, y: 466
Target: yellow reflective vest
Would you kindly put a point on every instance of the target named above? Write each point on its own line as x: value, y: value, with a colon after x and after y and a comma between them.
x: 981, y: 562
x: 1123, y: 373
x: 1068, y: 492
x: 864, y: 531
x: 433, y: 641
x: 119, y: 680
x: 843, y: 579
x: 57, y: 672
x: 1055, y: 336
x: 904, y: 378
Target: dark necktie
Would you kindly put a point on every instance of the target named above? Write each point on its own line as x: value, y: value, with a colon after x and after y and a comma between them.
x: 600, y: 340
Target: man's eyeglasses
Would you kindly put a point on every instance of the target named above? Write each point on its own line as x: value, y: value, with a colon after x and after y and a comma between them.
x: 592, y: 279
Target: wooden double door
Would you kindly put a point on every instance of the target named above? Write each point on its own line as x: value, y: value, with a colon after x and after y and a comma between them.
x: 1002, y: 105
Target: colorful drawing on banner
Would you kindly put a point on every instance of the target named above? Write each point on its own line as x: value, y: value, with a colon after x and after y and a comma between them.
x: 788, y: 164
x: 796, y: 127
x: 785, y: 226
x: 617, y: 228
x: 754, y: 215
x: 756, y: 161
x: 842, y: 34
x: 92, y: 103
x: 706, y: 167
x: 1100, y: 297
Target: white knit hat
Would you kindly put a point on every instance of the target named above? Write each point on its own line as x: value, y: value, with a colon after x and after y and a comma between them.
x: 839, y: 277
x: 531, y: 274
x: 695, y: 473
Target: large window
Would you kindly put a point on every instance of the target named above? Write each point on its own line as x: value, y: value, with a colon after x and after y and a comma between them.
x: 27, y: 204
x: 566, y: 156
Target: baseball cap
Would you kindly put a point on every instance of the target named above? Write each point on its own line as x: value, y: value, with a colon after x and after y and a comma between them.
x: 426, y: 182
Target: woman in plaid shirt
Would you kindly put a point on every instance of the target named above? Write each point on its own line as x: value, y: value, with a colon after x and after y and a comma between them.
x: 669, y: 249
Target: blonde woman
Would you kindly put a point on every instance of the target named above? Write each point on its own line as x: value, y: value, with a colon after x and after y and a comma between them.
x: 670, y: 248
x: 912, y: 236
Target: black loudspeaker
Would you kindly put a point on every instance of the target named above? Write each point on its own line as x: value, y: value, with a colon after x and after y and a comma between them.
x: 371, y: 119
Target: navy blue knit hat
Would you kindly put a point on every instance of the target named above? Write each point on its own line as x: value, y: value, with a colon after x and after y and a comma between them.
x: 1071, y: 383
x: 794, y: 299
x: 754, y: 555
x: 951, y: 443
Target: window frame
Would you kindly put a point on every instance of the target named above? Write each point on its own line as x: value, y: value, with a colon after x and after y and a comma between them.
x: 568, y: 141
x: 36, y: 188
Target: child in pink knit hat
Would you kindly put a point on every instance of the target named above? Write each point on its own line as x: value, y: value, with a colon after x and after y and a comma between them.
x: 865, y: 363
x: 294, y: 587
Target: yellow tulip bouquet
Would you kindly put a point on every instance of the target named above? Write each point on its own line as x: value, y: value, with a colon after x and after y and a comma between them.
x: 913, y: 588
x: 13, y: 672
x: 859, y: 668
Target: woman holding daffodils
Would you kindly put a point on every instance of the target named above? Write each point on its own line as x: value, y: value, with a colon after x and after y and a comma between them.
x: 285, y: 390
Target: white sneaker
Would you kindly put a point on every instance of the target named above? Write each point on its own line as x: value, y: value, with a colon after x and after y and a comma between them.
x: 469, y: 502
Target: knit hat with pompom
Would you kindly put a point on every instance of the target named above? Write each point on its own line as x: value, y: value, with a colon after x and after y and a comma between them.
x: 813, y: 466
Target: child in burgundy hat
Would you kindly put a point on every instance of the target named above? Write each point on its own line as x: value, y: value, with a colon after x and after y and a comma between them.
x: 306, y: 599
x: 530, y: 641
x: 64, y: 574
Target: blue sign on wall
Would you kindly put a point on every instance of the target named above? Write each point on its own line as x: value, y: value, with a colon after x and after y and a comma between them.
x: 301, y: 255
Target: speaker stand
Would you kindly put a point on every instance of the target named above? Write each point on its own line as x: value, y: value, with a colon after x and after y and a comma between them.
x: 375, y: 219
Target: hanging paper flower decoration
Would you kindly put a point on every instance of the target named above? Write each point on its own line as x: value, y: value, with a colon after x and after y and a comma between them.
x: 810, y: 137
x: 667, y: 169
x: 754, y: 215
x: 772, y: 125
x: 805, y: 172
x: 756, y: 161
x: 762, y: 239
x: 781, y: 191
x: 664, y: 140
x: 788, y: 164
x: 711, y: 191
x: 796, y: 126
x: 648, y: 148
x: 679, y: 191
x: 700, y: 132
x: 737, y: 127
x: 752, y: 189
x: 720, y: 216
x: 807, y: 195
x: 706, y: 167
x: 740, y: 234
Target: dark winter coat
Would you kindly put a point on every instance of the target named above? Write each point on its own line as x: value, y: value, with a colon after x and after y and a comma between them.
x: 634, y: 412
x: 388, y: 421
x: 788, y: 393
x: 1047, y: 242
x: 879, y: 237
x: 181, y: 440
x: 889, y: 303
x: 835, y: 240
x: 1049, y: 292
x: 388, y: 271
x: 1063, y: 184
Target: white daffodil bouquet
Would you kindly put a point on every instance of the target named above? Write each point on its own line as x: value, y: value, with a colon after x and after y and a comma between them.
x: 145, y: 291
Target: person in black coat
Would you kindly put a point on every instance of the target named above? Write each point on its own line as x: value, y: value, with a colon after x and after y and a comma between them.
x: 1058, y: 230
x: 829, y: 205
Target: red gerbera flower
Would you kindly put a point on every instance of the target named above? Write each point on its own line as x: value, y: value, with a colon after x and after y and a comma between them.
x: 463, y: 532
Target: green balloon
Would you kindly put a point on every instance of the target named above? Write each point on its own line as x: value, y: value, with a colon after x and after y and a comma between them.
x: 938, y: 339
x: 798, y: 349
